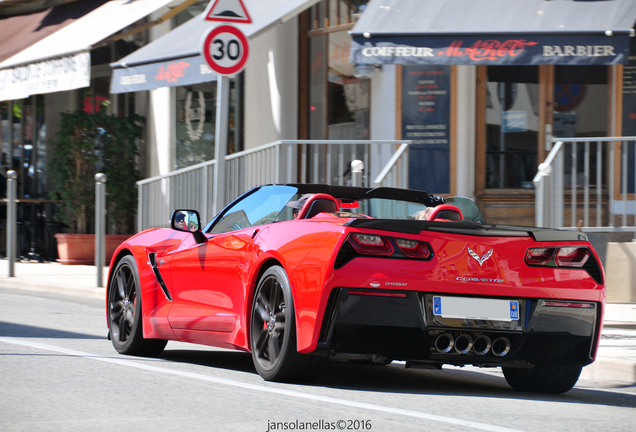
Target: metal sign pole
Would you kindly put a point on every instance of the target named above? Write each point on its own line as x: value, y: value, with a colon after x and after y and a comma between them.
x: 220, y: 140
x: 100, y: 226
x: 12, y: 225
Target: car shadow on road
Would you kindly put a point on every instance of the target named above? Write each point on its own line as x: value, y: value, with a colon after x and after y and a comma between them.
x: 231, y: 360
x: 396, y: 379
x: 25, y: 331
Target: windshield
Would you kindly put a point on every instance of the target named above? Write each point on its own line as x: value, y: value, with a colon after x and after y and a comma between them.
x: 396, y: 209
x: 258, y: 208
x: 469, y: 209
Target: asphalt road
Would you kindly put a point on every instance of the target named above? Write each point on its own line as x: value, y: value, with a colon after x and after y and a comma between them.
x: 58, y: 372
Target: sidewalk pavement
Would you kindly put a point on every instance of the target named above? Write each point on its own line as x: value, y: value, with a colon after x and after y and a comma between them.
x: 615, y: 364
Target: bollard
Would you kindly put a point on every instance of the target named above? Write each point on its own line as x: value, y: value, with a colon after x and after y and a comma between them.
x: 356, y: 172
x: 100, y: 226
x: 12, y: 223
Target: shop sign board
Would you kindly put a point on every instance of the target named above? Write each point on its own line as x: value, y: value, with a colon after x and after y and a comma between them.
x: 491, y: 50
x: 53, y: 75
x: 629, y: 111
x: 185, y: 71
x: 426, y: 121
x: 514, y: 121
x: 226, y: 50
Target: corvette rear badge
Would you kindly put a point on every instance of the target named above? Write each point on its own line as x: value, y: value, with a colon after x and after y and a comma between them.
x: 483, y: 258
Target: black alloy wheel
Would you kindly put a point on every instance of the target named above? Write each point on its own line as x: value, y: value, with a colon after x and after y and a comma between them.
x: 273, y: 332
x: 124, y: 312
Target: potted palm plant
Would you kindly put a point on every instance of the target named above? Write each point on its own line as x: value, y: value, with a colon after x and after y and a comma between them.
x: 88, y: 143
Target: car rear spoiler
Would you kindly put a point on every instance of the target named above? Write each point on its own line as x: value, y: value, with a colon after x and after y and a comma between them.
x: 468, y: 228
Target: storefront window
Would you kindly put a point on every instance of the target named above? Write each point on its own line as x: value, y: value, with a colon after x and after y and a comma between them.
x: 347, y: 96
x: 580, y: 110
x: 512, y: 122
x: 196, y: 113
x: 317, y: 87
x: 337, y: 104
x: 580, y: 101
x: 338, y: 100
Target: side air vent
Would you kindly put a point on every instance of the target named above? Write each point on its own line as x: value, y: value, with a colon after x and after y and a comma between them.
x: 152, y: 257
x: 345, y: 255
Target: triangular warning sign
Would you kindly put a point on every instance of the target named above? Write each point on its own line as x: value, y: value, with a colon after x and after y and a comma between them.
x: 232, y: 11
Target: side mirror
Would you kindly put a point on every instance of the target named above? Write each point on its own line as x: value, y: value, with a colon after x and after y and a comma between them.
x: 188, y: 221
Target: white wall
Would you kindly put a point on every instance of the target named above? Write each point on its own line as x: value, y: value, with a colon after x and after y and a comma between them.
x: 271, y: 86
x: 160, y: 119
x: 382, y: 116
x: 383, y: 103
x: 160, y: 131
x: 464, y: 169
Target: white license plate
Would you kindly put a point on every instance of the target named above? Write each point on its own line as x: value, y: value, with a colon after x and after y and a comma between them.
x: 476, y: 308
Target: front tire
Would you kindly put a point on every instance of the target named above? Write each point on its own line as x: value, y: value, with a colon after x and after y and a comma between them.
x: 543, y: 378
x: 124, y: 312
x: 273, y: 332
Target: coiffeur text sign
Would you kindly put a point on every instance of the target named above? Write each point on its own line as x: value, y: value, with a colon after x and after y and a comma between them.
x: 426, y: 121
x: 491, y: 50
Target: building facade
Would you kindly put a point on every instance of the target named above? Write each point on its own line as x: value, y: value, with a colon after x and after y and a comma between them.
x: 478, y: 92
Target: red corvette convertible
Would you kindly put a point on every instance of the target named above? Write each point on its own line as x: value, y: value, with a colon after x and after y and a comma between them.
x: 297, y: 274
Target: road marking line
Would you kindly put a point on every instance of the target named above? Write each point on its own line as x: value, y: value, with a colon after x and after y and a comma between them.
x: 260, y: 388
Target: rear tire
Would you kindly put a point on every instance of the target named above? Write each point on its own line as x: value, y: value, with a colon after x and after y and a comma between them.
x: 543, y: 378
x: 273, y: 333
x: 124, y: 312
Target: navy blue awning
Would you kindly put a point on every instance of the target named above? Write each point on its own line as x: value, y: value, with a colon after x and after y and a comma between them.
x: 175, y: 59
x: 494, y: 32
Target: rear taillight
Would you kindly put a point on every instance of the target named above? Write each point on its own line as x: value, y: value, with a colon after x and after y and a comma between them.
x: 572, y: 256
x: 367, y: 244
x: 371, y: 245
x: 539, y: 256
x: 413, y: 249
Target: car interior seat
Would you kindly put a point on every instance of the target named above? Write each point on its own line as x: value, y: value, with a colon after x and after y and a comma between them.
x: 446, y: 212
x: 318, y: 203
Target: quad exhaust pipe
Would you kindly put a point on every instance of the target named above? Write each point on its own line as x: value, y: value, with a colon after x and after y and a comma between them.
x: 464, y: 344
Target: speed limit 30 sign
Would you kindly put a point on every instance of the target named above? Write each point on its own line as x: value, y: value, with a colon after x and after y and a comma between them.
x: 226, y: 50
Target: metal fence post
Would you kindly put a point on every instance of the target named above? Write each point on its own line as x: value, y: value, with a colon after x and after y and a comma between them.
x: 100, y: 226
x: 541, y: 190
x: 356, y: 172
x: 12, y: 225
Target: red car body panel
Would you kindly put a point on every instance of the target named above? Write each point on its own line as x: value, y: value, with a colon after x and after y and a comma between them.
x: 219, y: 307
x: 201, y: 288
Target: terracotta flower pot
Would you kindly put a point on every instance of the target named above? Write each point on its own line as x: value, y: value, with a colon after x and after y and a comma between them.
x: 80, y: 248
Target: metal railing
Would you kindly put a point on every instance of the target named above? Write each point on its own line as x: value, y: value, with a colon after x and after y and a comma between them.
x: 285, y: 161
x: 578, y: 177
